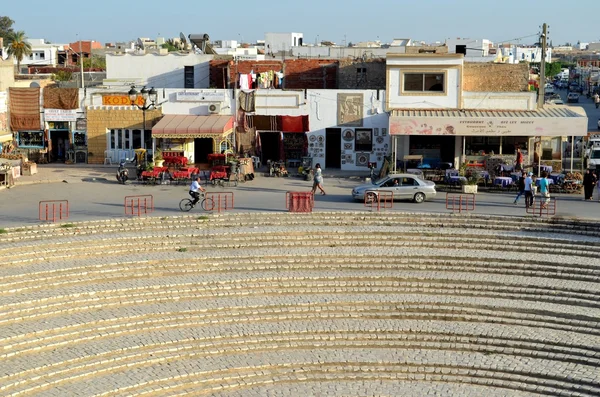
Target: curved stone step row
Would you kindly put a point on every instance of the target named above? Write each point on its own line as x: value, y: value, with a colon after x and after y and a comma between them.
x: 116, y: 245
x: 213, y: 346
x: 409, y: 387
x: 83, y: 274
x: 320, y: 219
x: 125, y: 321
x: 151, y: 284
x: 156, y: 377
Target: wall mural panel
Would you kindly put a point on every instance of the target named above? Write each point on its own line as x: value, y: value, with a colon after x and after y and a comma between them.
x: 350, y: 110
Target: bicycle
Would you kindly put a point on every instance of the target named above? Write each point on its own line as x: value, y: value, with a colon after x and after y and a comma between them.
x: 206, y: 203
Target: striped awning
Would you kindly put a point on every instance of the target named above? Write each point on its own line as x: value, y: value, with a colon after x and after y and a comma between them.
x: 183, y: 126
x: 553, y: 120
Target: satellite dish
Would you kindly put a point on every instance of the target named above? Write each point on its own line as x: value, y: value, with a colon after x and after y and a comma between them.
x: 183, y: 41
x: 140, y: 44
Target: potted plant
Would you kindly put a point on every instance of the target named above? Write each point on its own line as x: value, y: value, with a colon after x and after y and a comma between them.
x: 158, y: 158
x: 469, y: 185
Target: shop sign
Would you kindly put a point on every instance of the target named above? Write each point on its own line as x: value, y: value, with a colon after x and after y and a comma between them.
x: 196, y: 96
x: 81, y: 124
x: 488, y: 126
x: 60, y: 114
x: 120, y: 100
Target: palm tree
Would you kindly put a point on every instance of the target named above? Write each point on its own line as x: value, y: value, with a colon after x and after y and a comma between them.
x: 18, y: 47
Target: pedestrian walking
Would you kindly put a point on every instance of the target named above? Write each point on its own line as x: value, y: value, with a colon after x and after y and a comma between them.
x: 318, y: 180
x: 519, y: 160
x: 589, y: 181
x: 597, y: 100
x: 521, y: 185
x: 545, y: 189
x: 528, y: 190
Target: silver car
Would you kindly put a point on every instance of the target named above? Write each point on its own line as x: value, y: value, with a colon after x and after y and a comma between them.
x: 403, y: 187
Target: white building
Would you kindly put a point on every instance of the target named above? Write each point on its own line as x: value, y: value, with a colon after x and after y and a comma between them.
x: 42, y: 53
x: 169, y: 70
x: 531, y: 54
x: 431, y: 115
x: 278, y: 42
x: 469, y: 47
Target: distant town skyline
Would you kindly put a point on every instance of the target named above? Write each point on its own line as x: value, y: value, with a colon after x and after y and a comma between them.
x: 341, y: 22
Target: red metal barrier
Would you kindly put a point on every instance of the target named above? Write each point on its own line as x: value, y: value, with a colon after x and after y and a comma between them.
x: 299, y: 201
x: 220, y: 201
x: 379, y: 199
x: 139, y: 205
x: 538, y: 208
x: 50, y: 209
x: 461, y: 202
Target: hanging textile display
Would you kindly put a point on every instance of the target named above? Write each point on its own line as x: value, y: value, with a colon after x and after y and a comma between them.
x: 294, y: 123
x: 245, y: 142
x: 61, y: 98
x: 24, y: 108
x: 247, y: 101
x: 266, y: 123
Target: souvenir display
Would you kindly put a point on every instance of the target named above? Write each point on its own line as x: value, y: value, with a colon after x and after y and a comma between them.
x: 348, y: 135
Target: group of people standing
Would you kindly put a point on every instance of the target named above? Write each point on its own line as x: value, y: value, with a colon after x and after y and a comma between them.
x: 527, y: 187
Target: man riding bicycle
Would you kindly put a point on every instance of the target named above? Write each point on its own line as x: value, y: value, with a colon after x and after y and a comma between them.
x: 195, y: 190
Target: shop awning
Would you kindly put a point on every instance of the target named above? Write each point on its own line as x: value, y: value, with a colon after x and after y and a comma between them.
x: 182, y: 126
x: 551, y: 121
x: 5, y: 137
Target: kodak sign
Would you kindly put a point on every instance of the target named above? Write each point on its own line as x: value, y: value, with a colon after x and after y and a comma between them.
x: 120, y: 100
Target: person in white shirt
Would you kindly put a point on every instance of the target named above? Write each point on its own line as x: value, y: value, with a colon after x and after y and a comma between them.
x: 528, y: 190
x: 195, y: 190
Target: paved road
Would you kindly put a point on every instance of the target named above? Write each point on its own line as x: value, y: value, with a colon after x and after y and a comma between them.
x: 103, y: 198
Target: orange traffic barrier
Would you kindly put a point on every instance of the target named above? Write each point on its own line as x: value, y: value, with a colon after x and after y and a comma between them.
x: 379, y: 199
x: 460, y: 202
x: 139, y: 205
x: 299, y: 201
x: 53, y: 210
x: 219, y: 201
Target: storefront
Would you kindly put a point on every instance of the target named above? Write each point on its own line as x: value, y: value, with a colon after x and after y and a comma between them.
x: 281, y: 138
x: 25, y: 121
x: 483, y: 138
x: 114, y: 133
x: 194, y: 137
x: 60, y: 115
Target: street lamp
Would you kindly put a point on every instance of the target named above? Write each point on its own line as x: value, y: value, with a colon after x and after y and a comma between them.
x: 149, y: 98
x: 146, y: 95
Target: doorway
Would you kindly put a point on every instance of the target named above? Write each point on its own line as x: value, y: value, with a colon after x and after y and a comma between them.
x: 202, y: 148
x: 60, y: 145
x: 269, y: 146
x: 333, y: 147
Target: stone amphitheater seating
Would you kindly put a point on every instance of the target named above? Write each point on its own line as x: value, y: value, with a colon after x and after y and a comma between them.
x: 322, y: 304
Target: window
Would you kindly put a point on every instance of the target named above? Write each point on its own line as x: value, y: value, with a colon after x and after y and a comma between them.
x: 188, y: 77
x: 363, y: 139
x: 361, y: 75
x: 424, y: 82
x: 42, y: 55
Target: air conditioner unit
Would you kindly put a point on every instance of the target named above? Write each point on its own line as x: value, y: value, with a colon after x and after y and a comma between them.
x: 214, y: 108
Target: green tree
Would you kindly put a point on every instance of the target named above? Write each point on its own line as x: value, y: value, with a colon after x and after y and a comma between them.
x: 61, y: 76
x: 553, y: 68
x: 18, y: 47
x: 96, y: 61
x: 170, y: 45
x: 6, y: 28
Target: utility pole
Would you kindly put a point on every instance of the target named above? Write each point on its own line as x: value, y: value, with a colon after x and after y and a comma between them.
x: 542, y: 87
x: 81, y: 62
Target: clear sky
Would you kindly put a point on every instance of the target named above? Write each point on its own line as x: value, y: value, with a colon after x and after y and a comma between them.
x: 105, y: 21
